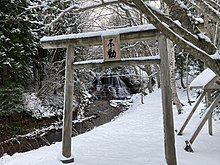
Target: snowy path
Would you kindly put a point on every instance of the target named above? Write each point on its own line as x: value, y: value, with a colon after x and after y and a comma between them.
x: 134, y: 138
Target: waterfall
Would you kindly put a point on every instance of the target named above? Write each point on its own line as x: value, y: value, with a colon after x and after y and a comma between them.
x: 111, y: 86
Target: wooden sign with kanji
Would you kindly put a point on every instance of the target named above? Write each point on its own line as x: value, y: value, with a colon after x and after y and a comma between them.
x: 111, y: 47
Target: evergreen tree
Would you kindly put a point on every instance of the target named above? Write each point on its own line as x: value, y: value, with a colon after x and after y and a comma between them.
x: 16, y: 42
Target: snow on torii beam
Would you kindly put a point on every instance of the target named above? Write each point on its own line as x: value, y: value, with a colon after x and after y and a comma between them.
x: 129, y: 34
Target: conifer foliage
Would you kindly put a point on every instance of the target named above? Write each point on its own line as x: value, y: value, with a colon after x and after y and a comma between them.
x: 24, y: 65
x: 16, y: 41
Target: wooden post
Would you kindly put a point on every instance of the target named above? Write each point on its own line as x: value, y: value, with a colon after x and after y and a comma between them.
x: 192, y: 112
x: 208, y: 103
x: 68, y: 107
x: 201, y: 124
x: 205, y: 118
x: 169, y: 137
x: 142, y: 87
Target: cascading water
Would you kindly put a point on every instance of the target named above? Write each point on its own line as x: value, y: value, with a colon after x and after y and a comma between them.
x: 111, y: 86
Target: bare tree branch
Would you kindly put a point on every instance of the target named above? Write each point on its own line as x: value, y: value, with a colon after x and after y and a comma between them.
x: 179, y: 12
x: 169, y: 33
x: 194, y: 39
x: 207, y: 7
x: 213, y: 4
x: 212, y: 12
x: 78, y: 8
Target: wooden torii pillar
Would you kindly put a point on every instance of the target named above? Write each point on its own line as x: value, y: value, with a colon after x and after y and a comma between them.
x: 169, y: 136
x: 67, y: 156
x: 131, y: 34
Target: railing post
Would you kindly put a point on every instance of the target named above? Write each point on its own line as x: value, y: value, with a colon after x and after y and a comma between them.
x: 209, y: 102
x: 169, y: 137
x: 192, y: 112
x: 68, y: 107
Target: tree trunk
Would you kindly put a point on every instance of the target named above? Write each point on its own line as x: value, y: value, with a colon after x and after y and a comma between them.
x: 5, y: 73
x: 175, y: 97
x: 187, y: 79
x: 181, y: 80
x: 158, y: 75
x: 147, y: 68
x: 171, y: 57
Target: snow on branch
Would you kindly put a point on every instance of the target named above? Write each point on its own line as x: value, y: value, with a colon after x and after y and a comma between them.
x: 202, y: 43
x: 78, y: 8
x: 176, y: 26
x: 178, y: 10
x: 35, y: 7
x: 192, y: 2
x: 208, y: 7
x: 169, y: 33
x: 213, y: 4
x: 211, y: 11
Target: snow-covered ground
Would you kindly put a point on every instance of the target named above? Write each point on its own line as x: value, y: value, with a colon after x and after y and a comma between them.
x: 133, y: 138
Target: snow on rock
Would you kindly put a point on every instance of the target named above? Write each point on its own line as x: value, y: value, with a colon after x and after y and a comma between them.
x: 125, y: 102
x: 34, y: 105
x: 134, y: 138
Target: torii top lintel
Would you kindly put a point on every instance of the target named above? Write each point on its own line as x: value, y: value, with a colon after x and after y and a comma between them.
x: 128, y: 34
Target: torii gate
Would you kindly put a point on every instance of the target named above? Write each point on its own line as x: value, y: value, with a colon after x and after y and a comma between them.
x: 130, y: 34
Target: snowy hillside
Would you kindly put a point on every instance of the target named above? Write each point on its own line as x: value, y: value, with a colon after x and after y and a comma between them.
x: 133, y: 138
